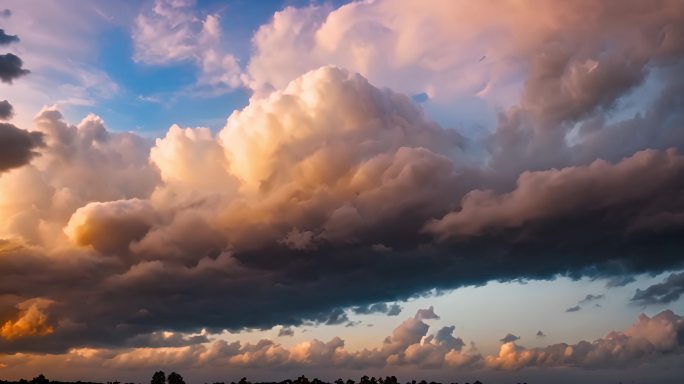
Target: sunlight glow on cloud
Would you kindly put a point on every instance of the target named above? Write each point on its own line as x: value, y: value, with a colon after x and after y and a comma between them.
x: 333, y: 193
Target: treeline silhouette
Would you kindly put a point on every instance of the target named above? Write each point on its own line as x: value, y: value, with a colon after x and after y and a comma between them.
x: 160, y: 377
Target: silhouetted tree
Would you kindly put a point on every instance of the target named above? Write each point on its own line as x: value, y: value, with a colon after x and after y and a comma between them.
x: 159, y: 377
x: 40, y: 379
x: 175, y: 378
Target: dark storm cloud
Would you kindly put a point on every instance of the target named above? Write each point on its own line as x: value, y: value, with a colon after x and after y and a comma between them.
x: 509, y: 338
x: 17, y: 146
x: 11, y: 68
x: 6, y: 110
x: 6, y: 39
x: 668, y: 291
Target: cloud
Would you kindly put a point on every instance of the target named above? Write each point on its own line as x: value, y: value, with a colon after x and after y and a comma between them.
x: 646, y: 340
x: 285, y: 331
x: 172, y: 31
x: 6, y: 39
x: 31, y: 320
x: 541, y: 334
x: 5, y: 13
x: 426, y: 314
x: 6, y: 110
x: 591, y: 297
x: 668, y: 291
x: 619, y: 281
x: 574, y: 309
x: 509, y: 338
x: 11, y: 68
x: 649, y: 341
x: 389, y: 310
x: 17, y: 146
x: 566, y: 194
x: 243, y: 230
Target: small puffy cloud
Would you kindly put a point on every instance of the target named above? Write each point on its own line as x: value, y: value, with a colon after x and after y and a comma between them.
x: 6, y: 39
x: 394, y: 310
x: 668, y: 291
x: 509, y: 338
x: 574, y: 309
x: 426, y: 314
x: 11, y: 68
x: 285, y: 331
x: 31, y: 320
x: 6, y: 110
x: 5, y: 13
x: 17, y: 146
x: 541, y: 334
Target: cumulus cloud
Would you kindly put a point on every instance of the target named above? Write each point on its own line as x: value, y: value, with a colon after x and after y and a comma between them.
x: 509, y: 338
x: 6, y: 39
x: 426, y: 314
x: 17, y: 146
x: 668, y: 291
x: 6, y: 110
x: 648, y: 339
x: 11, y: 68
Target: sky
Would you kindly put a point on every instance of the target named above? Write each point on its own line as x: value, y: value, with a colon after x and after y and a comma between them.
x: 444, y: 190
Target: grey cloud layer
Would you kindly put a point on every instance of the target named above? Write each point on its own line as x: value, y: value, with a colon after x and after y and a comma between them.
x: 670, y: 290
